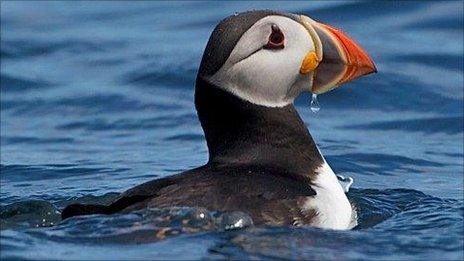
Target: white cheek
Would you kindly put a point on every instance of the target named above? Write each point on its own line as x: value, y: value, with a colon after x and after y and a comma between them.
x: 268, y: 77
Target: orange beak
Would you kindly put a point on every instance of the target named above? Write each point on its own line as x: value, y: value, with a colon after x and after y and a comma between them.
x: 340, y: 59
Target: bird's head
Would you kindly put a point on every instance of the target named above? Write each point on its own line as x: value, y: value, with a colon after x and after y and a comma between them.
x: 268, y: 58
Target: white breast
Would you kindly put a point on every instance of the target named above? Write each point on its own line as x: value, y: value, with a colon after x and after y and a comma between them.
x: 333, y: 209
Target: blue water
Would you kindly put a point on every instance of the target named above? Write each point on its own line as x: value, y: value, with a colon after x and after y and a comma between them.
x: 98, y: 97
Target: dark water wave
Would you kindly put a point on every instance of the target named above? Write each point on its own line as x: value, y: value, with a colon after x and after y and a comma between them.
x: 453, y: 22
x: 171, y: 76
x: 370, y: 10
x: 447, y: 62
x: 449, y: 125
x: 14, y: 84
x: 363, y: 163
x: 90, y: 104
x: 128, y: 124
x: 34, y: 140
x: 13, y: 173
x: 20, y: 49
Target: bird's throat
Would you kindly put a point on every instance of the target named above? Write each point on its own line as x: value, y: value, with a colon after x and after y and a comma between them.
x: 240, y: 132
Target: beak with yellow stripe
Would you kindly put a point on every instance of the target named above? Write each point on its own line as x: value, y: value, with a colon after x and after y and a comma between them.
x: 337, y: 59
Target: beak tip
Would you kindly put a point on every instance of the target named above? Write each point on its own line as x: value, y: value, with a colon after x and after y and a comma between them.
x: 371, y: 70
x: 373, y: 67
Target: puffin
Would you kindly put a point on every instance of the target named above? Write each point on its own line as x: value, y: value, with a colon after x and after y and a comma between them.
x: 262, y: 158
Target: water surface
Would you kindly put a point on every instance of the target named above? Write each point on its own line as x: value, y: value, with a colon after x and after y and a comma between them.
x: 98, y: 97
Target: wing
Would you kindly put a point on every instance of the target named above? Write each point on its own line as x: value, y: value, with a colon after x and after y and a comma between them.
x: 267, y: 195
x: 263, y: 193
x: 130, y: 197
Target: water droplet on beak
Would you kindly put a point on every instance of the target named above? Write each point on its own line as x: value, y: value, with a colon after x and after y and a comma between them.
x: 315, y: 107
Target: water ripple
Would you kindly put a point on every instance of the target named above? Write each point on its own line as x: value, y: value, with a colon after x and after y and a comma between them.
x: 445, y: 61
x: 380, y: 164
x: 18, y: 49
x: 18, y: 173
x: 90, y: 104
x: 126, y: 124
x: 18, y: 84
x: 449, y: 125
x: 348, y: 11
x: 157, y: 75
x: 34, y: 140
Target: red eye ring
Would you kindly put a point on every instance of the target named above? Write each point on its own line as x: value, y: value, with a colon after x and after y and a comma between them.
x: 276, y: 39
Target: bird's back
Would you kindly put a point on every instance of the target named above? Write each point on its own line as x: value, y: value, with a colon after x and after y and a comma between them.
x: 266, y: 194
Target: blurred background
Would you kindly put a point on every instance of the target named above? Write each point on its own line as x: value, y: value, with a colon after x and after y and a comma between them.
x: 97, y: 97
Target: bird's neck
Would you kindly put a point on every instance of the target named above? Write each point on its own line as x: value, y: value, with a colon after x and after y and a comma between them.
x: 240, y: 132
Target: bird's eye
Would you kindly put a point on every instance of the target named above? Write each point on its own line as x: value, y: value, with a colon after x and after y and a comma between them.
x: 276, y: 39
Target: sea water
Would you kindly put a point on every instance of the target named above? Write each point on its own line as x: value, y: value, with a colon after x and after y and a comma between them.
x: 97, y: 97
